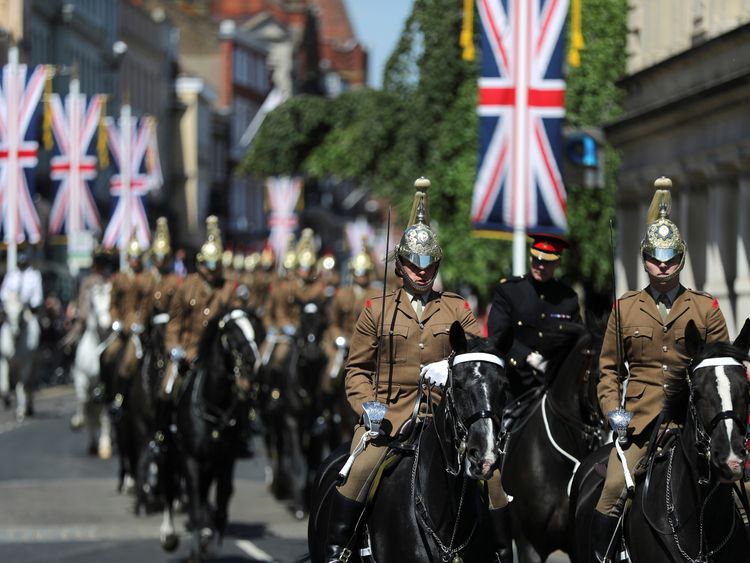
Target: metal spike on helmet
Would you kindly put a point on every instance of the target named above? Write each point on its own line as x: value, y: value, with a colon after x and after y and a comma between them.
x: 419, y: 243
x: 161, y: 247
x: 662, y: 240
x: 211, y: 251
x: 306, y: 257
x: 361, y: 263
x: 135, y: 250
x: 290, y: 256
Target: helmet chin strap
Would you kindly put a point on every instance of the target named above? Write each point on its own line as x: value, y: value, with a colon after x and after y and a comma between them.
x: 671, y: 276
x: 410, y: 286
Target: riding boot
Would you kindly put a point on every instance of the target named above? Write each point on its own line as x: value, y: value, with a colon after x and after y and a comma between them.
x: 342, y: 527
x: 500, y: 520
x: 603, y: 527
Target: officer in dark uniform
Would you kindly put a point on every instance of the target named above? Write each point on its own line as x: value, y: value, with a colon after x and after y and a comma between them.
x: 538, y: 309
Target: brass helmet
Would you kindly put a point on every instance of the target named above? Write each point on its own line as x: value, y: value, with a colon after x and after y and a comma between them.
x: 290, y: 256
x: 239, y: 261
x: 662, y: 240
x: 211, y: 251
x: 361, y: 263
x: 226, y: 258
x: 161, y: 247
x: 419, y: 243
x: 252, y: 261
x: 135, y: 250
x: 327, y: 262
x: 306, y: 257
x: 267, y: 258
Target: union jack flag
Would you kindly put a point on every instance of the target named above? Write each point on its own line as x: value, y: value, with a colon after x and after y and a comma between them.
x: 17, y: 129
x: 283, y: 193
x: 129, y: 214
x: 521, y: 106
x: 74, y: 126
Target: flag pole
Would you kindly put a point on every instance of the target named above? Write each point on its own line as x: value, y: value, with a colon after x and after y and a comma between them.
x: 520, y: 152
x: 74, y: 112
x: 127, y: 225
x: 11, y: 97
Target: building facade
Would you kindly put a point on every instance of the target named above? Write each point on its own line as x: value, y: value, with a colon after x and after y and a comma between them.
x: 685, y: 117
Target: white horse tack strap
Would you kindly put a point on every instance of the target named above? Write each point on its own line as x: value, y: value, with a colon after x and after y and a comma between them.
x: 478, y: 357
x: 576, y: 461
x: 160, y: 319
x: 716, y: 362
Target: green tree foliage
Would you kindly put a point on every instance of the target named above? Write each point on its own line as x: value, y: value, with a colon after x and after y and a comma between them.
x: 424, y: 123
x: 592, y: 98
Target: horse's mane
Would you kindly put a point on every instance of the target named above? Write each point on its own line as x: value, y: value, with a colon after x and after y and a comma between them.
x: 678, y: 391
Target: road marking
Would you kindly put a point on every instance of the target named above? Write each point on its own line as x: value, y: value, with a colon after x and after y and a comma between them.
x: 253, y: 550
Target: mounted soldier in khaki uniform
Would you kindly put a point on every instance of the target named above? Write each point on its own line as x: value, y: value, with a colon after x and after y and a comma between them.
x: 166, y: 280
x: 200, y: 297
x: 130, y: 306
x: 652, y: 335
x: 417, y: 320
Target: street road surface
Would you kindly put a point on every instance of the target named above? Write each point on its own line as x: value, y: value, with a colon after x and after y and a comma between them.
x: 60, y: 505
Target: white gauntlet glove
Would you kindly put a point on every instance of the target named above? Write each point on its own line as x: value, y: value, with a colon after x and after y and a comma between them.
x: 537, y: 361
x: 436, y: 372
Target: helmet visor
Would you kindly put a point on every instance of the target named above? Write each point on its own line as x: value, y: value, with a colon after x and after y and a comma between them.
x: 662, y: 254
x: 212, y: 265
x: 421, y: 261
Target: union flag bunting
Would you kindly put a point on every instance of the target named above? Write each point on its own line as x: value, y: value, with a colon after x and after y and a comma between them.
x: 74, y: 126
x: 521, y: 109
x: 135, y: 156
x: 19, y: 100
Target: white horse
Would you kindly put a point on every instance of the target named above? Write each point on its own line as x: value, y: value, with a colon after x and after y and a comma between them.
x: 85, y: 370
x: 19, y: 340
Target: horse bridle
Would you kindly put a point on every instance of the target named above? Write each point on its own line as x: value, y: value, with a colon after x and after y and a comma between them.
x: 703, y: 433
x: 460, y: 427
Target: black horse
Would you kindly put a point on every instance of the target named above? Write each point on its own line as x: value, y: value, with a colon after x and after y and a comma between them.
x: 293, y: 413
x: 431, y: 504
x: 211, y: 401
x: 559, y: 427
x: 685, y: 507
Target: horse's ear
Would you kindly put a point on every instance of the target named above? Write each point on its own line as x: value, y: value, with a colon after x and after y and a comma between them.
x: 458, y: 338
x: 503, y: 342
x: 693, y: 339
x: 743, y: 340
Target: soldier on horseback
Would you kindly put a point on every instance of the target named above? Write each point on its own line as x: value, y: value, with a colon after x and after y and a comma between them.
x: 130, y: 305
x: 200, y: 297
x: 651, y: 336
x: 534, y: 307
x: 167, y: 281
x: 417, y: 319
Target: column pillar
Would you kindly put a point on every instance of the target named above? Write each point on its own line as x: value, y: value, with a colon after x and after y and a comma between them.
x: 717, y: 251
x: 742, y: 280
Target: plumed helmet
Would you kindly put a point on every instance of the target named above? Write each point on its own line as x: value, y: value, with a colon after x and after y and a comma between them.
x: 267, y: 258
x: 211, y: 250
x: 306, y: 257
x: 419, y: 243
x: 361, y: 263
x: 252, y: 261
x: 662, y: 240
x: 161, y: 247
x: 135, y: 250
x: 238, y: 263
x: 290, y: 256
x: 226, y: 258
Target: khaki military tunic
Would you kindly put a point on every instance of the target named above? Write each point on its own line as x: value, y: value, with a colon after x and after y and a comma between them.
x: 164, y: 290
x: 409, y: 343
x: 131, y: 303
x: 194, y: 304
x: 654, y: 350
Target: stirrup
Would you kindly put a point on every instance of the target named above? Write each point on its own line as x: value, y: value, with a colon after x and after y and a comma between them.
x: 341, y: 557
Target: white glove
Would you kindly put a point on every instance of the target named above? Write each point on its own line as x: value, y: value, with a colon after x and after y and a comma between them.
x: 289, y: 330
x: 436, y: 372
x: 537, y: 361
x: 177, y: 353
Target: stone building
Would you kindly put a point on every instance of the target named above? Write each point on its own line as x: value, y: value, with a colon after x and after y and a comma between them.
x: 687, y: 86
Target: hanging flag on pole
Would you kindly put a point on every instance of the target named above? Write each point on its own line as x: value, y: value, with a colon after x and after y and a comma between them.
x: 19, y: 99
x: 74, y: 125
x: 283, y: 193
x: 132, y: 145
x: 521, y: 107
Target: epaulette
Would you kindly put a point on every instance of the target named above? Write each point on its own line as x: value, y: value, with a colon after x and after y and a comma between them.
x: 452, y: 295
x: 628, y: 295
x: 511, y: 279
x: 714, y: 301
